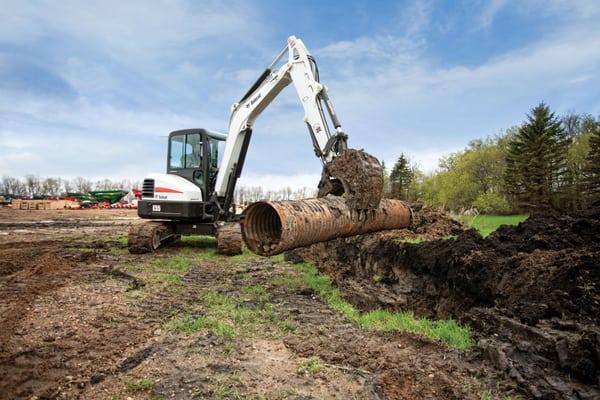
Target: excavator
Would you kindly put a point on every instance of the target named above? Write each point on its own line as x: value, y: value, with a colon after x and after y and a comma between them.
x: 195, y: 195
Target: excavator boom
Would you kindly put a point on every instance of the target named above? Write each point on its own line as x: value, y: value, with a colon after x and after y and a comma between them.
x: 353, y: 174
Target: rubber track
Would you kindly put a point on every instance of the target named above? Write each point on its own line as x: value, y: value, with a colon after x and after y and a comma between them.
x: 140, y: 236
x: 229, y: 239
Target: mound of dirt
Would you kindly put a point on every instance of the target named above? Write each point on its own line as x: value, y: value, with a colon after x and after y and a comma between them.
x: 530, y: 292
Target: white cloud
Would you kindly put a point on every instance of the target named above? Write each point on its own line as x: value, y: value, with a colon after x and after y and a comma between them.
x: 279, y: 181
x: 131, y: 30
x: 392, y: 97
x: 489, y: 12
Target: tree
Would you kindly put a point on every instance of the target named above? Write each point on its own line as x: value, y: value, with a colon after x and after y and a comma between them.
x: 468, y: 175
x: 82, y: 185
x: 536, y: 159
x: 33, y: 185
x: 575, y: 176
x: 592, y: 168
x: 386, y: 180
x: 51, y: 186
x: 12, y: 186
x: 400, y: 178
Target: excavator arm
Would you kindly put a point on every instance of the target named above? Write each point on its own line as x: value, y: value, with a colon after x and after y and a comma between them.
x: 328, y: 137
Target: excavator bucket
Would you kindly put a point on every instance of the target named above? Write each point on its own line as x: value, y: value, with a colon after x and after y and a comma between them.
x: 355, y: 175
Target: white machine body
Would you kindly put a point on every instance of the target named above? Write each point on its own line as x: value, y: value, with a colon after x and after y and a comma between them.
x: 169, y: 187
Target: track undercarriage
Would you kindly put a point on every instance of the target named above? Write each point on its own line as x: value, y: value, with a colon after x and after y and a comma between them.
x: 147, y: 236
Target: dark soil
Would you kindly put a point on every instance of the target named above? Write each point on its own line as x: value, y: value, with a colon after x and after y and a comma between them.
x: 531, y: 292
x: 80, y: 318
x: 361, y: 176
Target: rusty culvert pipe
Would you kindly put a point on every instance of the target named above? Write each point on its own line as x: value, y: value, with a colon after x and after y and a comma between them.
x: 271, y: 227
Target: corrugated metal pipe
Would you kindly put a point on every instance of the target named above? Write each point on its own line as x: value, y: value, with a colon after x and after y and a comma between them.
x: 271, y: 227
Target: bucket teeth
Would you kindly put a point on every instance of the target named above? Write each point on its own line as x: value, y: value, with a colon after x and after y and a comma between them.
x: 355, y: 175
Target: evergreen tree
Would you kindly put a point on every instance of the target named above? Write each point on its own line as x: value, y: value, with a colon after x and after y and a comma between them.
x: 400, y: 178
x: 592, y: 168
x: 536, y: 159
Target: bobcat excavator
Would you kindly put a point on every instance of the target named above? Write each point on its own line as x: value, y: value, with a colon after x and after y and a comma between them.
x: 195, y: 195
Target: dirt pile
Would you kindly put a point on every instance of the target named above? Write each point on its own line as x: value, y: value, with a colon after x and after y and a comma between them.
x: 531, y: 292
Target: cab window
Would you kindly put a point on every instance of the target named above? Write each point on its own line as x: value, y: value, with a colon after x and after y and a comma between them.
x: 186, y: 151
x: 193, y: 151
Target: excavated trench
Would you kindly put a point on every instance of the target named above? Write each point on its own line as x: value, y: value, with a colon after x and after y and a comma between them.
x: 530, y: 293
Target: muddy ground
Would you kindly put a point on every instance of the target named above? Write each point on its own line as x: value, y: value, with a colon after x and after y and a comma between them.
x: 80, y: 318
x: 530, y: 293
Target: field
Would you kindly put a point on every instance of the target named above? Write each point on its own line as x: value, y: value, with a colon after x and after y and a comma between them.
x: 81, y: 318
x: 486, y: 224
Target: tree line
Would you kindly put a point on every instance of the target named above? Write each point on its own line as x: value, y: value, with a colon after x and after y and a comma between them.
x: 34, y: 186
x: 547, y: 161
x: 245, y: 195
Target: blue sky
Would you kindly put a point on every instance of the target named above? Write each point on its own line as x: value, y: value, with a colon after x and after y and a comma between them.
x: 93, y: 88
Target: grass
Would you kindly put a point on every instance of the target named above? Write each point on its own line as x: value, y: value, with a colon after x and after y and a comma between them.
x: 487, y: 224
x: 246, y: 255
x: 448, y: 331
x: 292, y: 282
x: 199, y: 241
x: 122, y: 239
x: 311, y: 365
x: 229, y: 316
x: 135, y: 385
x: 179, y: 264
x: 190, y: 325
x: 278, y: 258
x: 226, y: 391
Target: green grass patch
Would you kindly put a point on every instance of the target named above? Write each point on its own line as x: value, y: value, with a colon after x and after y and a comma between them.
x: 448, y: 331
x: 256, y: 292
x: 190, y: 325
x: 199, y: 241
x: 122, y: 239
x: 278, y: 258
x: 229, y: 316
x: 79, y: 249
x: 119, y: 251
x: 170, y: 280
x: 293, y: 282
x: 487, y: 224
x: 246, y: 255
x: 136, y: 385
x: 311, y: 365
x: 174, y: 264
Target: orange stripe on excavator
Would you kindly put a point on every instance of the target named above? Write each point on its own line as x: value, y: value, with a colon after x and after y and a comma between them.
x: 165, y: 190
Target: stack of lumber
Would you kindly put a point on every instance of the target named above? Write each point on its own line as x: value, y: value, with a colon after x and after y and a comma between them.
x: 44, y: 204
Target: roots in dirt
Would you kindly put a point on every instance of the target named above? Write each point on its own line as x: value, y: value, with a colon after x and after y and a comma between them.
x: 531, y: 292
x: 356, y: 175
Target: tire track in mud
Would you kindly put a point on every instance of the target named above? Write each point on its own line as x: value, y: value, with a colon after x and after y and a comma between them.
x: 56, y: 337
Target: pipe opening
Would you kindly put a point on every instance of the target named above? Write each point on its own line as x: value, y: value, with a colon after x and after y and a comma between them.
x: 261, y: 228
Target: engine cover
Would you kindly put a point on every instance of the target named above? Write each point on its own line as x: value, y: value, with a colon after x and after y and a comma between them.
x: 168, y: 187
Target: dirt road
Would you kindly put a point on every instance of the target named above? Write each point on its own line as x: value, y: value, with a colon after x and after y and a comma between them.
x: 80, y: 318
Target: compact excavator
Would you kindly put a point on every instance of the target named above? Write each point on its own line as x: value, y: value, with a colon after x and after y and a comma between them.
x: 195, y: 195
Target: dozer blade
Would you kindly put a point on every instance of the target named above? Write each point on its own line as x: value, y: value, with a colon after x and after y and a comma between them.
x: 355, y: 175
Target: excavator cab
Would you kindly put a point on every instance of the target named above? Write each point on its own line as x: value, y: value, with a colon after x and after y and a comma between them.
x: 194, y: 155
